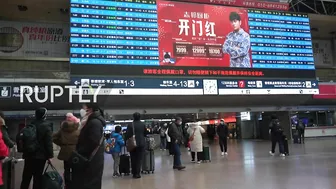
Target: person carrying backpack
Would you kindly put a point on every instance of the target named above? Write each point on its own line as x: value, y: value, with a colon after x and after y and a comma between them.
x: 35, y: 142
x: 276, y: 132
x: 116, y: 142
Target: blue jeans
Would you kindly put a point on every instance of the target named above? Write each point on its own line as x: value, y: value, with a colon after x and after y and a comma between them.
x: 163, y: 144
x: 177, y: 155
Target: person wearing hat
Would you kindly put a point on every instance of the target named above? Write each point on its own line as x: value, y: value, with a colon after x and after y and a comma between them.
x: 223, y: 132
x: 175, y: 133
x: 34, y: 162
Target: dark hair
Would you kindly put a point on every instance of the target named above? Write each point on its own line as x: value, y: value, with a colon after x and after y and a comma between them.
x: 178, y: 119
x: 108, y: 135
x: 117, y: 129
x: 93, y: 106
x: 2, y: 114
x: 234, y: 16
x: 136, y: 116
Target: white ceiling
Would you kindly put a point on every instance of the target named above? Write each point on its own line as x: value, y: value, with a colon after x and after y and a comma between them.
x: 49, y: 11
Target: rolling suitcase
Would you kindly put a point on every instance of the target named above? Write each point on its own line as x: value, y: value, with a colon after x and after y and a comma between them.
x: 125, y: 164
x: 148, y: 163
x: 206, y: 154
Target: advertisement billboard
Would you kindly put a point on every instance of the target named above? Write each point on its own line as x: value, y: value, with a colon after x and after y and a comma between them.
x: 30, y: 39
x: 185, y: 39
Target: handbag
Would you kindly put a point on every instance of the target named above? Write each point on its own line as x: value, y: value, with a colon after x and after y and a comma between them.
x: 131, y: 143
x: 191, y: 138
x: 51, y: 179
x: 79, y: 161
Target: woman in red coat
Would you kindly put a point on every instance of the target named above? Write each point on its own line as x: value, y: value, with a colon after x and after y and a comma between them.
x: 4, y: 151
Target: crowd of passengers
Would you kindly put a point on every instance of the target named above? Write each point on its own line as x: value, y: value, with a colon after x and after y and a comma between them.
x: 85, y: 137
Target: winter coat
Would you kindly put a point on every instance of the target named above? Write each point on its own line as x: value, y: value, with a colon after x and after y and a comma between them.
x: 222, y: 131
x: 119, y: 142
x: 196, y: 145
x: 44, y: 138
x: 66, y: 138
x: 90, y: 176
x: 140, y: 133
x: 4, y: 152
x: 176, y: 133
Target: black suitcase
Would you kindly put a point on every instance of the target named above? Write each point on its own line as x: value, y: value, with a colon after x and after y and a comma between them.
x: 148, y: 162
x: 125, y: 164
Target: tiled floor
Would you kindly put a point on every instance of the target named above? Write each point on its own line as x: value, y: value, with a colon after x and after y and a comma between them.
x: 248, y: 166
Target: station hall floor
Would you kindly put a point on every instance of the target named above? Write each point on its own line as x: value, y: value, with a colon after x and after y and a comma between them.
x: 248, y: 166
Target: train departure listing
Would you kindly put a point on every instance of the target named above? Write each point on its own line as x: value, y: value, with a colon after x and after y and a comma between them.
x: 114, y: 32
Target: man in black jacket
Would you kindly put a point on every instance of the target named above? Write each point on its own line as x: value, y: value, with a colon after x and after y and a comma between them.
x: 175, y: 133
x: 276, y: 132
x: 223, y: 132
x: 300, y: 127
x: 140, y: 134
x: 34, y: 162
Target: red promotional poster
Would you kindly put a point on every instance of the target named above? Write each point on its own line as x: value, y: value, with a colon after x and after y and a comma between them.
x: 203, y: 35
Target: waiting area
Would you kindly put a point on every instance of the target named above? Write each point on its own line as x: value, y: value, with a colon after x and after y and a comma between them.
x: 247, y: 165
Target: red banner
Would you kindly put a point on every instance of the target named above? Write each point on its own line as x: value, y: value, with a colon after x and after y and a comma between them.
x: 246, y: 3
x: 194, y: 34
x: 327, y: 91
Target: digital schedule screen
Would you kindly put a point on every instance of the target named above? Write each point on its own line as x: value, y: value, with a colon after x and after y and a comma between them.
x: 148, y: 37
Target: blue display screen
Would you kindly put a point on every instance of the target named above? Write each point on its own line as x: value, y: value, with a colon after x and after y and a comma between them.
x: 280, y: 40
x: 114, y: 32
x: 129, y: 33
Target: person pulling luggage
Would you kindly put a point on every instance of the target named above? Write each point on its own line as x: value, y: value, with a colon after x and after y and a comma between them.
x: 196, y: 141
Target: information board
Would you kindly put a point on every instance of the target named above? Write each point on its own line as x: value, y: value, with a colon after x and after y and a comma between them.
x: 191, y: 86
x: 133, y: 37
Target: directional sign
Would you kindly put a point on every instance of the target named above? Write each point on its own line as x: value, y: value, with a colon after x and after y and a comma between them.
x: 5, y: 91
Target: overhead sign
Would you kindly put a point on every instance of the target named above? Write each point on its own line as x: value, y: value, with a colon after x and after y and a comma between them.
x: 188, y: 39
x: 178, y: 86
x: 30, y: 39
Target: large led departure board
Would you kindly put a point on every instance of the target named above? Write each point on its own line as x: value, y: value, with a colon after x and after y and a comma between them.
x: 176, y: 38
x: 114, y: 32
x: 280, y: 40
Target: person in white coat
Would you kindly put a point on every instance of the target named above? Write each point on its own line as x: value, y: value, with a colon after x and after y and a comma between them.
x: 169, y: 144
x: 195, y: 132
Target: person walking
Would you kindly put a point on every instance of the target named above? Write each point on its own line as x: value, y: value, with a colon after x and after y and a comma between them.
x: 195, y: 132
x: 300, y: 127
x: 223, y: 132
x: 137, y: 154
x: 89, y: 174
x: 276, y: 132
x: 34, y: 162
x: 175, y: 132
